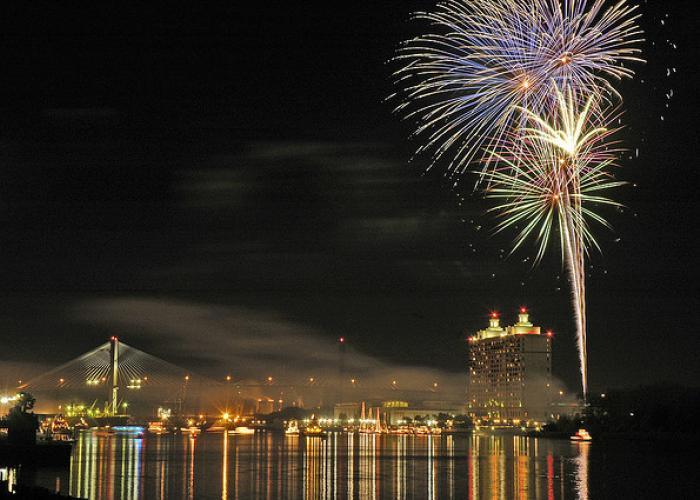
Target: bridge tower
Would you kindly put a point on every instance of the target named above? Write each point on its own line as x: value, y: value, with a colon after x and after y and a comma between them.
x: 114, y: 355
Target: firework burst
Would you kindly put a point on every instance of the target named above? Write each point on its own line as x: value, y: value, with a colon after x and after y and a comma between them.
x: 549, y: 177
x: 463, y: 83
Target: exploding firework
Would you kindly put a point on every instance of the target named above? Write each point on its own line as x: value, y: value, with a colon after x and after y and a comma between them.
x: 550, y: 178
x: 463, y: 83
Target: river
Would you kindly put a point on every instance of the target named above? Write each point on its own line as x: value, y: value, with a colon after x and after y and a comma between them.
x: 269, y: 465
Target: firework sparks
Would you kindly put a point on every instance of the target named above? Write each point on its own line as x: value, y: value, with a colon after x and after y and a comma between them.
x: 462, y: 83
x: 550, y: 179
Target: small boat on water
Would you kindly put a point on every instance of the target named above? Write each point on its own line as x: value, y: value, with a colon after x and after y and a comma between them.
x: 156, y: 427
x: 55, y: 429
x: 292, y: 428
x: 581, y: 436
x: 402, y: 429
x: 134, y: 430
x: 242, y: 429
x: 313, y: 429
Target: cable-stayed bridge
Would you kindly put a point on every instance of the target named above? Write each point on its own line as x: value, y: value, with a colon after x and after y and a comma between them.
x: 115, y: 376
x: 117, y: 379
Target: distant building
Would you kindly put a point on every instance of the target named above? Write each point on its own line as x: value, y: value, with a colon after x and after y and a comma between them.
x: 345, y: 411
x: 265, y: 406
x: 510, y: 372
x: 395, y: 412
x: 398, y: 412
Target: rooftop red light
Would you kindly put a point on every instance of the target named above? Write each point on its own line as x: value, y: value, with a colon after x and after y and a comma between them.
x: 523, y: 310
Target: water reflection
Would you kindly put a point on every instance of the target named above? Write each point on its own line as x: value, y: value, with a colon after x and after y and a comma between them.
x: 581, y: 462
x: 367, y: 466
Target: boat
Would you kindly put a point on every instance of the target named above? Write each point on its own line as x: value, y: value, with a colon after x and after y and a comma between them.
x: 292, y: 428
x: 313, y: 429
x: 55, y: 429
x: 81, y: 424
x: 242, y: 429
x: 203, y: 424
x: 133, y: 430
x: 156, y: 427
x: 581, y: 436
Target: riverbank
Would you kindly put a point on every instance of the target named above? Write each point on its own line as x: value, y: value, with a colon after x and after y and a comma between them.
x: 677, y: 438
x: 33, y: 492
x: 54, y: 453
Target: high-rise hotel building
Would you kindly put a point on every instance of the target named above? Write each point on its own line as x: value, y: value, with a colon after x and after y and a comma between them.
x: 509, y: 372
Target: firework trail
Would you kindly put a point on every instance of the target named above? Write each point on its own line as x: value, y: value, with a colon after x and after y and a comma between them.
x: 549, y: 176
x: 462, y: 83
x: 525, y: 88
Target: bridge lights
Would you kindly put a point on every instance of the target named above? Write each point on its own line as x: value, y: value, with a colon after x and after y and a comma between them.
x: 134, y: 383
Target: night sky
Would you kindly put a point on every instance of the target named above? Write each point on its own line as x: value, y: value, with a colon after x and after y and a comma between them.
x: 163, y: 171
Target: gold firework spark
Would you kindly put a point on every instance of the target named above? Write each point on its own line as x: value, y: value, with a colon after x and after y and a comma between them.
x: 550, y: 178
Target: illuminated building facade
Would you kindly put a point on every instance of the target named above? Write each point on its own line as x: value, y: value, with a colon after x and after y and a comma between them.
x: 510, y: 372
x: 395, y: 412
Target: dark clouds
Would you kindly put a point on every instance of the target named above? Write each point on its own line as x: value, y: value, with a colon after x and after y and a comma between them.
x: 245, y: 162
x: 254, y: 344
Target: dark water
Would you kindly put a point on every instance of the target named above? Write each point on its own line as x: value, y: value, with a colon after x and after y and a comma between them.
x: 268, y: 465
